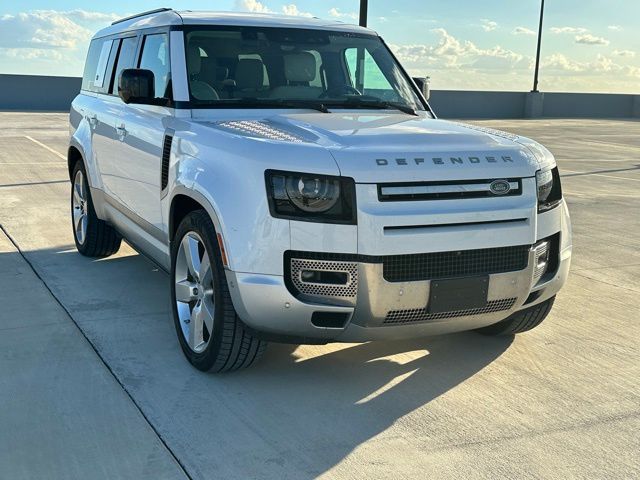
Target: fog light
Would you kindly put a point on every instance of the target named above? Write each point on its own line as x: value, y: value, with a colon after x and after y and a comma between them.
x: 541, y: 259
x: 329, y: 278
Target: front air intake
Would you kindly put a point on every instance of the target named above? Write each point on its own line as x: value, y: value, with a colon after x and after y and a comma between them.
x: 417, y: 315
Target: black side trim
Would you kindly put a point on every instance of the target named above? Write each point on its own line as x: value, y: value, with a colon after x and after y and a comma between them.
x: 166, y: 151
x: 152, y: 230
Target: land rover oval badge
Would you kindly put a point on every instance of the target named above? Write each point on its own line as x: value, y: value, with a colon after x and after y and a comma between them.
x: 500, y: 187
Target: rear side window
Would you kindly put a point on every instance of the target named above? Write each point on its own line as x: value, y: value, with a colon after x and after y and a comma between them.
x: 97, y: 69
x: 155, y: 57
x: 126, y: 59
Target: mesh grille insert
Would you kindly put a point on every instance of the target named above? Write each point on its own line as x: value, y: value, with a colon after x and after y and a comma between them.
x: 397, y: 317
x: 428, y: 266
x: 347, y: 289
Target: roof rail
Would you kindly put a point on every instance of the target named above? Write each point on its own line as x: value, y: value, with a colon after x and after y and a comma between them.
x: 149, y: 12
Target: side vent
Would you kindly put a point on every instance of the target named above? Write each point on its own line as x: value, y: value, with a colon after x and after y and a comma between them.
x: 166, y: 151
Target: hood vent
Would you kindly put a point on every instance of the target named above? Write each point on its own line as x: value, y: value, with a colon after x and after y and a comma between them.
x: 256, y: 129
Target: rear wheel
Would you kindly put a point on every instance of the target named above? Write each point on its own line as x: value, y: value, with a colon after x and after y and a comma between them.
x: 211, y: 335
x: 93, y: 237
x: 521, y: 321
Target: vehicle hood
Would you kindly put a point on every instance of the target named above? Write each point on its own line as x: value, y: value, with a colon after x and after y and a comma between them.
x: 374, y: 147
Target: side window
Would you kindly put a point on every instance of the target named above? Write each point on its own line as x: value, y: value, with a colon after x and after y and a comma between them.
x: 98, y: 66
x: 367, y: 76
x: 155, y: 57
x: 126, y: 59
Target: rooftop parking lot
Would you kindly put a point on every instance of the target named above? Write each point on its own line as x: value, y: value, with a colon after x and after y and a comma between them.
x: 93, y: 383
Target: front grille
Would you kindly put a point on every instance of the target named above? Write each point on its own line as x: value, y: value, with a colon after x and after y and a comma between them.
x: 448, y: 190
x: 429, y: 266
x: 347, y: 289
x: 399, y: 317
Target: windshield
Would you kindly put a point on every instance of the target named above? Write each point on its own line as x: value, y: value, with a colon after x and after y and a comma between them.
x: 247, y: 67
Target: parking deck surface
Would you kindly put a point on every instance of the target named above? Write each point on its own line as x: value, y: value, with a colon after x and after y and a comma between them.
x: 93, y: 383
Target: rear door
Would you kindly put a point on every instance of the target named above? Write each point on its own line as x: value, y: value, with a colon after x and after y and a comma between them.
x: 99, y: 111
x: 144, y: 128
x: 110, y: 149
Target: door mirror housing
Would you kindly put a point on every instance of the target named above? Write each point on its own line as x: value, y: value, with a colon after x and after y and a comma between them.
x: 137, y: 85
x: 423, y: 84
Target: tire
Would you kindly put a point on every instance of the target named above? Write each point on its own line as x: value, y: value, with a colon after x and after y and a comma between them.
x: 521, y: 321
x: 211, y: 335
x: 93, y: 237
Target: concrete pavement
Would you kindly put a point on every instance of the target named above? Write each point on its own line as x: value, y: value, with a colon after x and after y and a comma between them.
x: 561, y: 401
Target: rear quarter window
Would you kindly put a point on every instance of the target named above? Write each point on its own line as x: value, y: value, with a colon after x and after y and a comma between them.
x: 99, y: 65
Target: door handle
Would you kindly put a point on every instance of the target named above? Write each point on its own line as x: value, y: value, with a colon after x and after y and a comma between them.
x: 92, y: 119
x: 122, y: 132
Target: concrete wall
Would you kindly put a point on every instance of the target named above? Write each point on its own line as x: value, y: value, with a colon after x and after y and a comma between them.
x: 474, y: 104
x: 30, y: 92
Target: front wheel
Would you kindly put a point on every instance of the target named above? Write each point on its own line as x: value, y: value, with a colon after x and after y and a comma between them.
x: 521, y: 321
x: 210, y: 333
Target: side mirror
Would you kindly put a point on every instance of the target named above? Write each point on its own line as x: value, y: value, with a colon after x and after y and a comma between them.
x: 423, y: 84
x: 137, y: 85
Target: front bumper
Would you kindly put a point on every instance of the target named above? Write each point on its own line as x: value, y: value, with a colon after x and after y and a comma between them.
x: 386, y: 310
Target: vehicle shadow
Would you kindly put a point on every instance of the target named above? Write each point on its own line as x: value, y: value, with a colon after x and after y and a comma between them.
x: 341, y: 398
x: 297, y: 414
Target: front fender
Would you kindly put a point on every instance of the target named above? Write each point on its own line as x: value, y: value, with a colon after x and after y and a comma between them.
x: 254, y: 241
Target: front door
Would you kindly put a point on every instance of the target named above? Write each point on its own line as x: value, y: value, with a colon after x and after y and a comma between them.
x: 143, y: 128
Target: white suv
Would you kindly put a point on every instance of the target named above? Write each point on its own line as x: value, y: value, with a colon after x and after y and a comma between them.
x: 293, y: 180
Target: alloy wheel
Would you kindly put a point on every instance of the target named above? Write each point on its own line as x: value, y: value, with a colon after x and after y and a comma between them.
x: 195, y: 298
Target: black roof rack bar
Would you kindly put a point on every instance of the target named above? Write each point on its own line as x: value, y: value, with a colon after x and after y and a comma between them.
x: 150, y: 12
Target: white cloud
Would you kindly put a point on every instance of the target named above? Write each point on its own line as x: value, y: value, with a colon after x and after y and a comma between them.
x: 31, y: 54
x: 49, y: 41
x: 615, y: 28
x: 41, y: 29
x: 523, y: 31
x: 451, y: 53
x: 292, y: 9
x: 602, y: 66
x: 588, y: 39
x: 84, y: 15
x: 571, y: 30
x: 489, y: 25
x: 624, y: 53
x: 251, y: 6
x: 335, y: 12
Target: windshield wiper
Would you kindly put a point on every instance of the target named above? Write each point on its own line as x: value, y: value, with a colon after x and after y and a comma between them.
x: 360, y: 103
x: 282, y: 103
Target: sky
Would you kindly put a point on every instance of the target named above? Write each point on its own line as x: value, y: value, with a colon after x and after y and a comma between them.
x: 588, y: 45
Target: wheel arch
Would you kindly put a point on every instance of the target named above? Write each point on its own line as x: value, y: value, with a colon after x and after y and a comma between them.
x: 74, y: 155
x: 184, y: 201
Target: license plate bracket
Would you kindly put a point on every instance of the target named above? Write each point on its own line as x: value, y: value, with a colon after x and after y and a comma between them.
x: 454, y: 294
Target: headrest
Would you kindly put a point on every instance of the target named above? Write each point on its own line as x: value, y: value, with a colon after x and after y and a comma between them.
x: 300, y: 67
x: 249, y: 73
x: 211, y: 71
x: 194, y: 61
x: 222, y: 73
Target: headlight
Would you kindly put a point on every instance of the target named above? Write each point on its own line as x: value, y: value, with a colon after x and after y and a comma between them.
x: 311, y: 198
x: 549, y: 189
